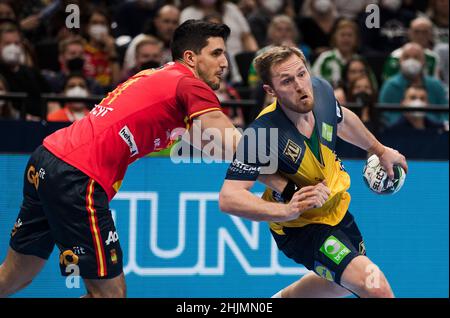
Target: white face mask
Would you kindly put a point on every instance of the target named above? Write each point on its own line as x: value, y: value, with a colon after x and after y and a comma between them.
x: 417, y: 103
x: 272, y: 5
x: 411, y: 67
x: 98, y: 31
x: 322, y: 6
x: 13, y: 54
x: 392, y: 5
x: 77, y: 91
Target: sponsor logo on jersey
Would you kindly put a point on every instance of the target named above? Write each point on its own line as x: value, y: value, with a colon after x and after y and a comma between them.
x: 240, y: 167
x: 101, y: 111
x: 292, y: 151
x: 79, y: 250
x: 112, y: 237
x: 68, y: 257
x: 128, y: 137
x: 327, y: 132
x: 323, y: 271
x: 33, y: 177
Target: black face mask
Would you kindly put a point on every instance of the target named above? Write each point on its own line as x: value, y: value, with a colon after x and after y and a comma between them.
x: 149, y: 64
x: 363, y: 98
x: 75, y: 65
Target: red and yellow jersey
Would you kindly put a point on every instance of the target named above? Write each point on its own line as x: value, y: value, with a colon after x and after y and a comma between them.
x: 135, y: 119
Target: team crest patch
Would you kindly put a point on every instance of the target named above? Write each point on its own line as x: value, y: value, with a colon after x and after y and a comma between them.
x: 292, y: 151
x: 113, y: 256
x: 323, y: 271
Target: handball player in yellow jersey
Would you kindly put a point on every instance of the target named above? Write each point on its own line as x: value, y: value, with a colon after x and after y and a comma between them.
x: 309, y: 220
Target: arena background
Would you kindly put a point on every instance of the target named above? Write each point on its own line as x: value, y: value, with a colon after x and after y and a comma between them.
x: 210, y: 254
x: 175, y: 240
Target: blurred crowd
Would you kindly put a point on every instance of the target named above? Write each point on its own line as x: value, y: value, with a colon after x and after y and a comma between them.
x: 403, y: 60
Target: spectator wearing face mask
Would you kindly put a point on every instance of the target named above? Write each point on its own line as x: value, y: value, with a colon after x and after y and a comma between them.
x: 71, y: 60
x: 416, y: 135
x: 75, y: 86
x: 317, y: 21
x: 101, y: 58
x: 8, y: 16
x: 362, y: 92
x: 356, y: 67
x: 412, y: 64
x: 420, y: 32
x: 148, y: 55
x: 416, y: 96
x: 20, y: 77
x: 351, y: 9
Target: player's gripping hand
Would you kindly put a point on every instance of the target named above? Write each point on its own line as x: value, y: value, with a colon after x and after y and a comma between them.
x: 309, y: 197
x: 391, y: 157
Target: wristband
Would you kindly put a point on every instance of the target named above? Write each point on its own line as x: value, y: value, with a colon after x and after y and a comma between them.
x: 289, y: 190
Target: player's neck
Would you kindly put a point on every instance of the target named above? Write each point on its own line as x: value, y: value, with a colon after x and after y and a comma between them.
x: 303, y: 121
x: 188, y: 67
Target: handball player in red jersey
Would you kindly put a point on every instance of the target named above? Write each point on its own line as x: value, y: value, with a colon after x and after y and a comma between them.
x: 70, y: 179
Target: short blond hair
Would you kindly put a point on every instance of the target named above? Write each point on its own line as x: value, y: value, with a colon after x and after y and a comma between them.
x: 64, y: 44
x: 273, y: 56
x: 149, y: 39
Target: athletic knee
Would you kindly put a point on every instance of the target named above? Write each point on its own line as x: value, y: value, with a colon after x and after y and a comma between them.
x: 372, y: 287
x: 380, y: 289
x: 365, y: 279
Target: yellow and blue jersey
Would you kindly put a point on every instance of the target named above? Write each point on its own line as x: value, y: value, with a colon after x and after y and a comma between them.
x: 303, y: 161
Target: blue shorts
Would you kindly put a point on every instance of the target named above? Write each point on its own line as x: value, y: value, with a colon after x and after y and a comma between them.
x: 325, y: 249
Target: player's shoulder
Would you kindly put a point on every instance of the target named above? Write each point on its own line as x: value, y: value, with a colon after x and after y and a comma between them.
x: 319, y: 83
x: 270, y: 117
x: 265, y: 117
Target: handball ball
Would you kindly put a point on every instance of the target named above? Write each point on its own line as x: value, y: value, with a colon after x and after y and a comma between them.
x: 376, y: 178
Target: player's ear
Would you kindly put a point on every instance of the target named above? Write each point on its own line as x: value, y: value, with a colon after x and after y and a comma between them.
x: 189, y: 58
x: 269, y: 90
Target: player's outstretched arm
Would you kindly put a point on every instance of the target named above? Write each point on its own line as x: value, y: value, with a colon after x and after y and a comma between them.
x: 228, y: 141
x: 220, y: 130
x: 235, y: 198
x: 352, y: 130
